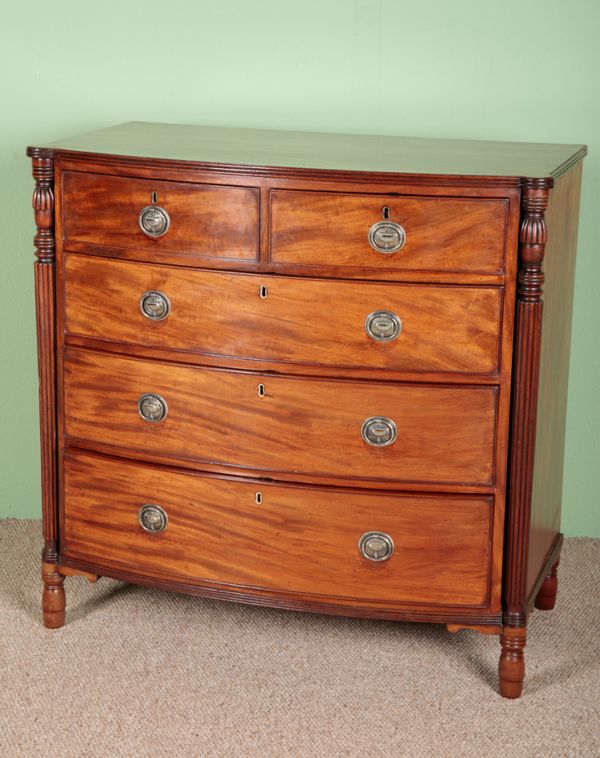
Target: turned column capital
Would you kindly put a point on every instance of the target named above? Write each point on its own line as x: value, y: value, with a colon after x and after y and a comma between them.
x: 533, y: 237
x: 43, y: 207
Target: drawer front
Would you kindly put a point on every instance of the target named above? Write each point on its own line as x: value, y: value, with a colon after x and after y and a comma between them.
x: 295, y: 540
x: 280, y: 423
x: 205, y: 221
x: 440, y: 233
x: 286, y: 319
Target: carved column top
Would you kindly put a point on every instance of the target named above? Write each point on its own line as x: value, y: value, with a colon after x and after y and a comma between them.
x: 43, y: 206
x: 533, y: 237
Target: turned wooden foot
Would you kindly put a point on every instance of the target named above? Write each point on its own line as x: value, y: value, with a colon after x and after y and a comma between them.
x: 53, y: 596
x: 511, y: 670
x: 546, y: 597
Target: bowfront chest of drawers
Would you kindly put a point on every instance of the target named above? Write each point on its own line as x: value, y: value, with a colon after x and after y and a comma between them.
x: 307, y: 370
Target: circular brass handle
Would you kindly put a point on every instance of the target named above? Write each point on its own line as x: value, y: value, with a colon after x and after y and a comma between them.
x: 383, y: 326
x: 155, y: 305
x: 152, y: 407
x: 378, y: 431
x: 153, y: 518
x: 376, y: 546
x: 154, y: 221
x: 386, y: 237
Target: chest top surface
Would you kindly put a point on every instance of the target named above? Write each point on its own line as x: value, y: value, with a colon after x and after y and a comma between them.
x: 245, y: 149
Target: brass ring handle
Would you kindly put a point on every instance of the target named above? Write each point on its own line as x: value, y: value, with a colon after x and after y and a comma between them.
x: 376, y: 546
x: 387, y: 237
x: 152, y: 407
x: 154, y: 221
x: 152, y: 518
x: 383, y: 326
x: 155, y: 305
x: 379, y: 431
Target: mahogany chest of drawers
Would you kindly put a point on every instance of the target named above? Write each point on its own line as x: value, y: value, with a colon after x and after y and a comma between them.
x: 307, y: 370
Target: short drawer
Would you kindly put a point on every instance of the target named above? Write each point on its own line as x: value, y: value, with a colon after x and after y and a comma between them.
x: 316, y: 541
x: 379, y: 232
x: 200, y: 220
x: 336, y: 428
x: 424, y: 328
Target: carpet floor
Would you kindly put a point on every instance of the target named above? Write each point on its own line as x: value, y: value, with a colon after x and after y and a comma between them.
x: 138, y: 672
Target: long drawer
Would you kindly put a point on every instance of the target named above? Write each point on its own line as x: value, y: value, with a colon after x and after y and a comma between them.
x: 421, y: 328
x: 313, y: 540
x: 353, y: 429
x: 388, y: 232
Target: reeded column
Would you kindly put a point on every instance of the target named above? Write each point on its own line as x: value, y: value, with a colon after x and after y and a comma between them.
x: 526, y: 369
x: 53, y: 599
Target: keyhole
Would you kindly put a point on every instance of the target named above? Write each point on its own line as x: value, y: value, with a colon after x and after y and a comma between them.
x: 386, y: 212
x: 261, y: 390
x: 263, y: 291
x: 258, y: 498
x: 154, y: 198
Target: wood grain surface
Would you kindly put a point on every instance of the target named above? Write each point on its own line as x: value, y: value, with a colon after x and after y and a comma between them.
x: 442, y: 234
x: 302, y: 540
x: 444, y: 434
x: 559, y: 267
x: 313, y: 152
x: 301, y: 321
x: 206, y: 221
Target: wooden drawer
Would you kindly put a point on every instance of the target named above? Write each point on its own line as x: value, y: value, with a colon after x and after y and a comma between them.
x: 301, y: 425
x: 296, y: 540
x: 331, y: 229
x: 297, y: 321
x: 206, y: 221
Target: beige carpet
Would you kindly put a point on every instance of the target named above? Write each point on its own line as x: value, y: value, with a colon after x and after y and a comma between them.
x: 137, y: 672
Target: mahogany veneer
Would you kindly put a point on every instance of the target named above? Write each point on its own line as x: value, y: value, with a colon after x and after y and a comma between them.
x: 305, y: 370
x: 445, y: 433
x: 444, y: 328
x: 299, y: 540
x: 209, y: 221
x: 443, y: 233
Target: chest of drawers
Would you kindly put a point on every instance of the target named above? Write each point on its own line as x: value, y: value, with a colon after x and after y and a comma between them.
x: 307, y: 371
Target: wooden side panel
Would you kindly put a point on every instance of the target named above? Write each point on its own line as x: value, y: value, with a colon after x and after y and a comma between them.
x: 298, y: 321
x: 206, y: 221
x: 442, y: 234
x: 300, y: 540
x: 559, y: 265
x: 310, y: 426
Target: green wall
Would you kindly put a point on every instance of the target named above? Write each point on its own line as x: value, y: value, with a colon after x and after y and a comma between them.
x: 524, y: 70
